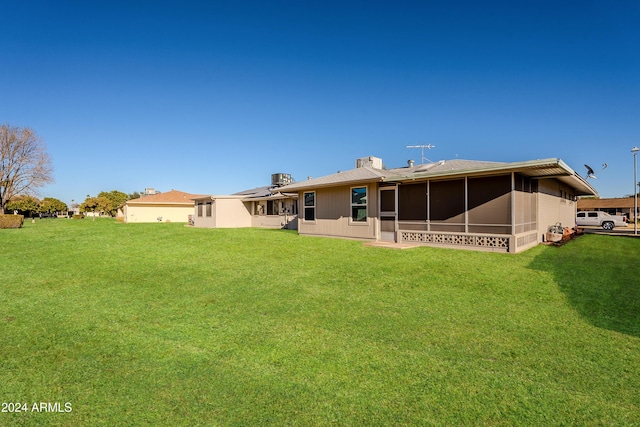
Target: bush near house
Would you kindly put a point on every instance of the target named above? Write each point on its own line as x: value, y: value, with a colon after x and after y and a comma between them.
x: 11, y: 221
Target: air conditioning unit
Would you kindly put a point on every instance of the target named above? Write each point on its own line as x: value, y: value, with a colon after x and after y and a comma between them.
x: 280, y: 179
x: 370, y: 162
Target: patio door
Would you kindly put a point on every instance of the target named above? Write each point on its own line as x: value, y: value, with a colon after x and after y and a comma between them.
x: 388, y: 214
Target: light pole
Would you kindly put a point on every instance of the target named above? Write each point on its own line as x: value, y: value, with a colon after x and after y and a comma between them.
x: 635, y: 150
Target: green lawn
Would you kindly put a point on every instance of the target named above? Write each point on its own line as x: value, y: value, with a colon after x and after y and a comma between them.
x: 161, y: 324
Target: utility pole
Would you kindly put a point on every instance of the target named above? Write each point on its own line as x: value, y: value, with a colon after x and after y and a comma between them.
x: 635, y: 150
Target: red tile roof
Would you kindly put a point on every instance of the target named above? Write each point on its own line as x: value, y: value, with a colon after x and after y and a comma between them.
x: 171, y: 197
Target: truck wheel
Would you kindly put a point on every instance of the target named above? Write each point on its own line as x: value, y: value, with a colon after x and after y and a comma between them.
x: 607, y: 225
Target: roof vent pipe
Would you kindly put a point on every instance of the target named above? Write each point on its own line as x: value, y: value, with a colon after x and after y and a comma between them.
x: 410, y: 163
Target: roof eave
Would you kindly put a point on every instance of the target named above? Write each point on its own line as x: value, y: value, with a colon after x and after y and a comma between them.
x: 311, y: 186
x: 276, y: 196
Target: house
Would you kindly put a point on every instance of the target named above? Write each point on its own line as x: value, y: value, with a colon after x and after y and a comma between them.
x: 493, y: 206
x: 171, y: 206
x: 263, y: 207
x: 613, y: 206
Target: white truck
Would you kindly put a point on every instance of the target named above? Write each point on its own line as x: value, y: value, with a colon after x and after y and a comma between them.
x: 600, y: 219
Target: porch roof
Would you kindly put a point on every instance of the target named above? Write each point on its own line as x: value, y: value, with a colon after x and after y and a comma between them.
x: 540, y: 169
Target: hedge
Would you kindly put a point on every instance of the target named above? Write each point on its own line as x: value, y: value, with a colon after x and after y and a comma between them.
x: 11, y: 221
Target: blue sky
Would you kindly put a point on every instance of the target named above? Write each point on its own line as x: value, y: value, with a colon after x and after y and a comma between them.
x: 213, y: 97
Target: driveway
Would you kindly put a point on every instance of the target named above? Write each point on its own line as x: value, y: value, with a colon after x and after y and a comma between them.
x: 618, y: 231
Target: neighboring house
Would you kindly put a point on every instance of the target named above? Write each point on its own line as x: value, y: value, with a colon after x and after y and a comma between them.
x: 504, y: 207
x: 172, y: 206
x: 264, y: 207
x: 616, y: 206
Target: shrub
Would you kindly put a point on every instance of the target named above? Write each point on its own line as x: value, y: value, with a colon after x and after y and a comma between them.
x: 78, y: 216
x: 11, y: 221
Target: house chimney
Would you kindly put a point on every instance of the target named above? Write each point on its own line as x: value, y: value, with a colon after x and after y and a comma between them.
x: 410, y: 163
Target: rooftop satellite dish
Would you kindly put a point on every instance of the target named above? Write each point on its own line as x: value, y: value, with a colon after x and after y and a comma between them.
x: 590, y: 173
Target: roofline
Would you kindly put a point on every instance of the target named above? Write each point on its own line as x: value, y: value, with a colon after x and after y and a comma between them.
x: 568, y: 175
x: 160, y: 202
x: 214, y: 197
x: 336, y: 184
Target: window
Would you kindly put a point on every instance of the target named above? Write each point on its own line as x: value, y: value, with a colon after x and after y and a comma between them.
x: 309, y: 206
x: 581, y: 214
x: 359, y: 204
x: 209, y: 208
x: 199, y: 208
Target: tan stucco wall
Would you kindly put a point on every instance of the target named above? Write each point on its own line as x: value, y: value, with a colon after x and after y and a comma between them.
x: 225, y: 213
x: 150, y: 213
x: 203, y: 221
x: 552, y: 208
x: 231, y: 213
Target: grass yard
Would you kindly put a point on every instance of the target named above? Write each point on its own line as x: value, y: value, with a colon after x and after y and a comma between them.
x: 161, y: 324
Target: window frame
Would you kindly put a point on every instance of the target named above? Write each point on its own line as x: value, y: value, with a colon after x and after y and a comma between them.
x: 353, y: 205
x: 310, y: 207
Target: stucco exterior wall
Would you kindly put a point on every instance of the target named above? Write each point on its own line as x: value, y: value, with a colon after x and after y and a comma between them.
x: 230, y: 213
x: 150, y: 213
x: 200, y: 216
x: 555, y: 204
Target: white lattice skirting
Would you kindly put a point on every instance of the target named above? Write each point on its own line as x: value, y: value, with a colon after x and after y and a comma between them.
x: 466, y: 240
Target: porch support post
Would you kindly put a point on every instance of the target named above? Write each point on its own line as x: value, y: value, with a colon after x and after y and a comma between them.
x: 428, y: 205
x: 513, y: 202
x: 512, y: 244
x: 396, y: 225
x: 466, y: 204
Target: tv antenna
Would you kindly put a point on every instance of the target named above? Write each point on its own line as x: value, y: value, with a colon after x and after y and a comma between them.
x: 422, y: 147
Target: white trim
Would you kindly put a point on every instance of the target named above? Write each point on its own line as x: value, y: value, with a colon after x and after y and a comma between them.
x: 352, y: 205
x: 304, y: 207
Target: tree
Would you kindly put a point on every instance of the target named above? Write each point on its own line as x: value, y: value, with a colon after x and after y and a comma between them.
x: 25, y: 205
x: 51, y: 205
x: 24, y: 163
x: 100, y: 204
x: 116, y: 198
x: 90, y: 204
